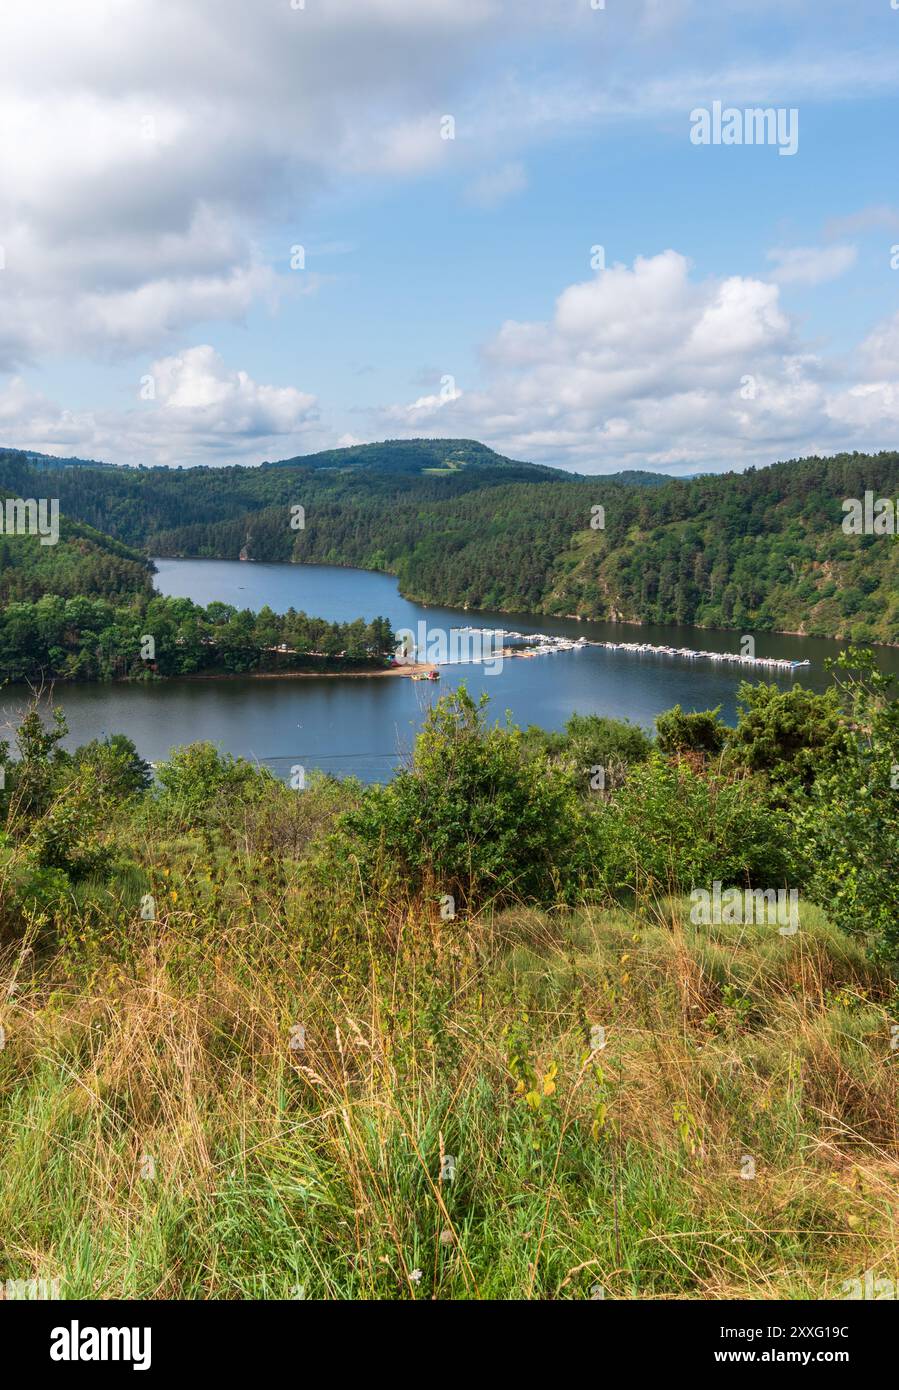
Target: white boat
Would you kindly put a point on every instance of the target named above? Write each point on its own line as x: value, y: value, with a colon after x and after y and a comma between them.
x: 688, y: 654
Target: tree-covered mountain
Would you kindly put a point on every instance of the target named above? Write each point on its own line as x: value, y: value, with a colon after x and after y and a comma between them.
x: 174, y: 510
x: 461, y: 525
x: 82, y: 562
x: 763, y: 549
x: 417, y: 456
x: 441, y: 456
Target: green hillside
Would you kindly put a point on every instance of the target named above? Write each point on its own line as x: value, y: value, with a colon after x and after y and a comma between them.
x: 461, y: 525
x: 416, y: 456
x: 82, y: 562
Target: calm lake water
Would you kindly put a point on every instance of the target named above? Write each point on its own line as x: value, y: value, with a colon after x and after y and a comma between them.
x: 364, y: 727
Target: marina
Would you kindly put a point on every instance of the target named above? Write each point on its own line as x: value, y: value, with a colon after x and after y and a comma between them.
x: 364, y: 727
x: 731, y: 658
x: 544, y: 644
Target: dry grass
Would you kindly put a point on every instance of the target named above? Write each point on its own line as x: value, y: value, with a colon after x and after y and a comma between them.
x: 163, y: 1138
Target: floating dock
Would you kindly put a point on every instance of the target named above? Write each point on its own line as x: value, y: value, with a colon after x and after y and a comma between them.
x: 729, y: 658
x: 544, y: 644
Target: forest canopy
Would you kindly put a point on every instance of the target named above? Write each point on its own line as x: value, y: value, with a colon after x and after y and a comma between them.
x: 460, y: 525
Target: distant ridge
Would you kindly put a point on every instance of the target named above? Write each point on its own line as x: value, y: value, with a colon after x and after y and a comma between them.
x: 461, y: 526
x: 436, y: 456
x: 415, y: 456
x: 399, y: 457
x: 46, y: 461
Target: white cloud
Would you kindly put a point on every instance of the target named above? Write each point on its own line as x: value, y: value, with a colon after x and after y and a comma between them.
x: 148, y: 145
x: 199, y: 411
x: 645, y: 365
x: 810, y: 265
x: 648, y: 366
x: 137, y: 182
x: 870, y: 407
x: 880, y: 350
x: 865, y: 220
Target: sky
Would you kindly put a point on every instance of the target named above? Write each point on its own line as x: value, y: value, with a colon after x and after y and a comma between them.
x: 235, y: 231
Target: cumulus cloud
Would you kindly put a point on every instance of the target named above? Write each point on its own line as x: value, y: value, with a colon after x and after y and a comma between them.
x: 426, y: 408
x: 150, y: 147
x: 136, y: 185
x: 193, y: 409
x: 879, y: 351
x: 648, y: 365
x: 870, y: 408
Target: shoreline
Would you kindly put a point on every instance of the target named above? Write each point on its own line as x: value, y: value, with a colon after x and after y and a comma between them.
x: 417, y: 668
x: 540, y: 612
x: 413, y: 668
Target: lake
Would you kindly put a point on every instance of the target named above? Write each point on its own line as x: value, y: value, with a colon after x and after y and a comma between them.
x: 364, y: 727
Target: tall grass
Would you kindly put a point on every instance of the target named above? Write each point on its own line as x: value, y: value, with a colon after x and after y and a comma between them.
x: 444, y: 1130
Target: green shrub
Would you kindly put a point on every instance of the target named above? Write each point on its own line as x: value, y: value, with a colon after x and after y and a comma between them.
x: 69, y: 834
x: 477, y: 816
x: 119, y: 768
x: 672, y: 827
x: 199, y: 784
x: 698, y: 732
x: 33, y: 778
x: 26, y: 888
x: 594, y: 741
x: 791, y: 735
x: 847, y: 825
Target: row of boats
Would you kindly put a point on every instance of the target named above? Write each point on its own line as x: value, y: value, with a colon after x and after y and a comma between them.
x: 733, y: 658
x: 544, y: 644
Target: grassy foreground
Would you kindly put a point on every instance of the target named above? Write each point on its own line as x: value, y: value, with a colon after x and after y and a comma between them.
x: 246, y: 1122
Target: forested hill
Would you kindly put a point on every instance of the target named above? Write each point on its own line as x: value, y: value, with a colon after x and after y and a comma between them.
x: 82, y: 562
x: 422, y: 456
x: 160, y: 509
x: 42, y: 462
x: 439, y: 457
x: 757, y: 550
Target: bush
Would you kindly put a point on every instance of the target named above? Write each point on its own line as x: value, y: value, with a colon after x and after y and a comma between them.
x: 791, y: 735
x: 69, y: 834
x: 477, y: 816
x: 671, y: 828
x: 594, y: 741
x: 26, y: 889
x: 847, y: 825
x: 120, y: 770
x: 699, y: 732
x: 199, y: 783
x: 34, y: 777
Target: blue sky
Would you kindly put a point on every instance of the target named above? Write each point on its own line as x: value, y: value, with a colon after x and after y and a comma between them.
x: 169, y: 156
